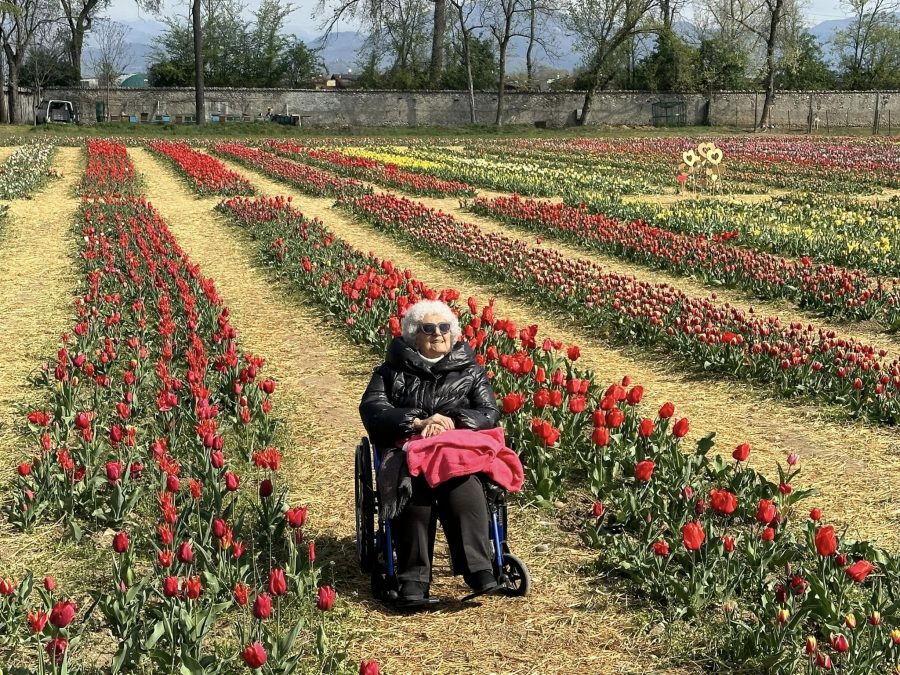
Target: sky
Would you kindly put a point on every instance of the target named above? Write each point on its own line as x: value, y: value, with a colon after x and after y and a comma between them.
x: 126, y: 10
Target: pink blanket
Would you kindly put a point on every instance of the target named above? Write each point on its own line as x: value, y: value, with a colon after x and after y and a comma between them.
x: 462, y: 452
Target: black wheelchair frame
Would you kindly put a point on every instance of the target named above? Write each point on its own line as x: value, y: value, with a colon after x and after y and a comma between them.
x: 375, y: 543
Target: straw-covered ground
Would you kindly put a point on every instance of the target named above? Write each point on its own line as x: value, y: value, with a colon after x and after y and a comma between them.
x: 566, y: 625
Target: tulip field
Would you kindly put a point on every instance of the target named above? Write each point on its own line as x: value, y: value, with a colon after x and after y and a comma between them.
x: 704, y: 390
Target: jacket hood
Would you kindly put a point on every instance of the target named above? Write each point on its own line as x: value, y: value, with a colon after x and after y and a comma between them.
x: 402, y: 356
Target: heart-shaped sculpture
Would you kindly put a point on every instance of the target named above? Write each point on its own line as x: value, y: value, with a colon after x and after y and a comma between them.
x: 714, y: 156
x: 704, y: 148
x: 690, y: 158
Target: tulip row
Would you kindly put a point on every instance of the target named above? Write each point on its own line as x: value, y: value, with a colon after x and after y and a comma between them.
x: 382, y: 173
x: 307, y: 179
x: 832, y: 290
x: 841, y: 231
x: 109, y: 170
x: 25, y: 170
x: 531, y: 178
x: 797, y: 360
x: 205, y: 174
x: 795, y: 163
x: 690, y: 530
x: 151, y: 413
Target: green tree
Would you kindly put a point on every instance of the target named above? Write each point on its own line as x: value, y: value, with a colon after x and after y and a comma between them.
x: 720, y: 66
x: 671, y: 66
x: 869, y: 48
x: 299, y: 65
x: 484, y: 66
x: 803, y: 65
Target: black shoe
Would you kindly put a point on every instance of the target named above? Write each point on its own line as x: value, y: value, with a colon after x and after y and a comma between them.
x: 411, y: 591
x: 481, y: 582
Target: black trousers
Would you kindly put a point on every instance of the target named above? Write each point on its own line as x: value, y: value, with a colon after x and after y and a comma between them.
x: 461, y: 506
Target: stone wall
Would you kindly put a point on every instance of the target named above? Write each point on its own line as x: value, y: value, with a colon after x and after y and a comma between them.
x: 791, y: 109
x: 381, y: 108
x: 450, y: 108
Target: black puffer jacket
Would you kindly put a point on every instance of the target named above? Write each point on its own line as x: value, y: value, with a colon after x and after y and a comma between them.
x: 404, y: 388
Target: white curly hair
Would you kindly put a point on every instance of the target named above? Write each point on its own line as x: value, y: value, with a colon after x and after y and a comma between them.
x: 415, y: 315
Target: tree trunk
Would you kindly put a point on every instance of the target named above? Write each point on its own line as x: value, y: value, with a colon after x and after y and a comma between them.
x: 437, y: 43
x: 13, y: 92
x: 76, y: 47
x: 775, y: 19
x: 469, y: 77
x: 199, y: 107
x: 3, y: 117
x: 529, y: 58
x: 501, y: 86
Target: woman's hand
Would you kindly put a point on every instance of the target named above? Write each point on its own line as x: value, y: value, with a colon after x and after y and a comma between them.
x: 441, y: 422
x: 432, y: 430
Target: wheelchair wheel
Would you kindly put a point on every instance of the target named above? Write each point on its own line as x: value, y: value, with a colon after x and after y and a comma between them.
x: 365, y: 506
x: 518, y: 580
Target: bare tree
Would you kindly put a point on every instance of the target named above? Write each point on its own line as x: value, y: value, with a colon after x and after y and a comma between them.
x: 465, y: 9
x: 111, y: 58
x: 79, y: 16
x: 18, y: 25
x: 858, y: 44
x: 603, y: 27
x: 438, y: 39
x: 44, y: 56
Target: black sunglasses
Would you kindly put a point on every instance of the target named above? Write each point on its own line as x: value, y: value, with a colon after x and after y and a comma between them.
x: 432, y: 328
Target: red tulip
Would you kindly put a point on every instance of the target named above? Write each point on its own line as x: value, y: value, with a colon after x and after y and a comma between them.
x: 49, y: 584
x: 192, y: 587
x: 37, y: 621
x: 815, y: 515
x: 277, y: 582
x: 296, y: 516
x: 766, y: 511
x: 266, y: 488
x: 741, y: 452
x: 512, y: 402
x: 644, y: 470
x: 635, y: 395
x: 325, y: 600
x: 666, y: 411
x: 231, y: 481
x: 598, y: 510
x: 858, y: 571
x: 839, y: 643
x: 600, y: 436
x: 727, y: 543
x: 826, y: 542
x: 63, y: 613
x: 262, y: 606
x: 254, y: 656
x: 170, y: 587
x: 185, y: 552
x: 311, y: 551
x: 723, y: 501
x: 241, y: 593
x: 120, y: 542
x: 660, y: 547
x: 681, y: 428
x: 573, y: 353
x: 56, y: 648
x: 768, y: 534
x: 369, y: 668
x: 646, y: 428
x: 692, y: 535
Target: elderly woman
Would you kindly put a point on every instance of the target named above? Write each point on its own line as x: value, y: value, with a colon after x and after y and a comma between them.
x: 430, y: 383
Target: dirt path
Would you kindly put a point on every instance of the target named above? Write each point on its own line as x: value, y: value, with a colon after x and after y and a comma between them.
x: 37, y: 283
x: 853, y: 465
x: 564, y: 626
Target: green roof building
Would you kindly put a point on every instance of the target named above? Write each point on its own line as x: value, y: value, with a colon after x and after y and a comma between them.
x: 136, y: 81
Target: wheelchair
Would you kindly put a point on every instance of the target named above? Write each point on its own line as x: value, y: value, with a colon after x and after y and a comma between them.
x: 375, y: 543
